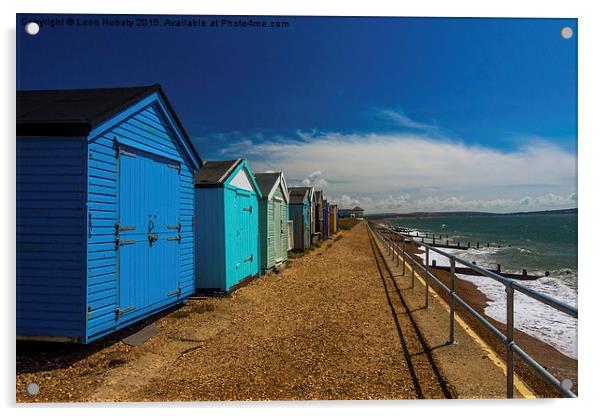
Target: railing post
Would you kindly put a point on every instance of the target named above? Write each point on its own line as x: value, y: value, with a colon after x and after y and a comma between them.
x: 426, y: 280
x: 397, y: 253
x: 403, y: 255
x: 412, y: 265
x: 452, y: 300
x: 509, y: 341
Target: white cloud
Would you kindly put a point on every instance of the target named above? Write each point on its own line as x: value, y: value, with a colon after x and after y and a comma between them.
x: 316, y: 180
x: 404, y: 203
x: 382, y: 171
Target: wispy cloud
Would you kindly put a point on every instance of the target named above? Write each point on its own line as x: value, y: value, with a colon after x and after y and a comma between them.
x: 402, y: 120
x: 376, y: 171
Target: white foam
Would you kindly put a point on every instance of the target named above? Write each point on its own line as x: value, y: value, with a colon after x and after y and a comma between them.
x: 530, y: 316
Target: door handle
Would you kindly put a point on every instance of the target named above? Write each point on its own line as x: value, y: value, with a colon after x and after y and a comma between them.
x: 152, y: 238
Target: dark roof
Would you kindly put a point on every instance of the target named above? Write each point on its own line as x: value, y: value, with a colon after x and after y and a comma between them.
x: 266, y: 181
x: 356, y: 209
x: 76, y: 112
x: 298, y: 194
x: 214, y: 173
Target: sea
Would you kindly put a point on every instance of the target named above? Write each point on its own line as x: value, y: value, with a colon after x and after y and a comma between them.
x: 538, y: 243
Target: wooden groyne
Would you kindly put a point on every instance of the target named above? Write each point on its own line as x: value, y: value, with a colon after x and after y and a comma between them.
x: 439, y: 242
x: 467, y: 270
x: 431, y: 239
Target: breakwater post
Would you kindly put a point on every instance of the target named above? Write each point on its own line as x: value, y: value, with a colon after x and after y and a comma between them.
x: 452, y: 300
x: 426, y: 279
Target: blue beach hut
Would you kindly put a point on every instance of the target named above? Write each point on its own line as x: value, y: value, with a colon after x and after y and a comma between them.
x: 227, y: 223
x: 319, y: 215
x: 326, y: 220
x: 300, y: 211
x: 105, y: 193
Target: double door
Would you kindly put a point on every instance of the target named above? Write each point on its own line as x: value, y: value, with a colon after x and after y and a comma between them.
x: 147, y: 232
x: 279, y: 230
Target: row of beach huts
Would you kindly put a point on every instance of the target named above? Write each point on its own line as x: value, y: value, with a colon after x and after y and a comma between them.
x: 119, y: 218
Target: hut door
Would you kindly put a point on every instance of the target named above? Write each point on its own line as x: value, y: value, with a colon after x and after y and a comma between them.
x: 147, y: 231
x: 244, y: 254
x: 131, y: 231
x: 164, y: 238
x: 278, y: 230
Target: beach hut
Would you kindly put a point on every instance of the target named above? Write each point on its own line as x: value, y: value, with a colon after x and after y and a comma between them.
x: 319, y: 215
x: 227, y: 225
x: 356, y: 212
x: 273, y: 219
x: 334, y: 219
x: 300, y: 213
x: 313, y: 238
x: 104, y: 210
x: 326, y: 228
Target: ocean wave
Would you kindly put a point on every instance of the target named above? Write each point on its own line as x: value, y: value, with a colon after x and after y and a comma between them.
x: 531, y: 316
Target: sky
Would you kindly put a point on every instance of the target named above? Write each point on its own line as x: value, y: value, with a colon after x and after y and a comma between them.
x: 392, y: 114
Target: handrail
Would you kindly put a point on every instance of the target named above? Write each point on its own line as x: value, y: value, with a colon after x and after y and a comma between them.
x: 511, y: 286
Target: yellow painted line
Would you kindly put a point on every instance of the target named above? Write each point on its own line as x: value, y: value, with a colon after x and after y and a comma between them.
x: 519, y: 384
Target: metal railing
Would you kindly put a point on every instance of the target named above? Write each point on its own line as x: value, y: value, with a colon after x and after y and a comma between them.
x: 511, y: 286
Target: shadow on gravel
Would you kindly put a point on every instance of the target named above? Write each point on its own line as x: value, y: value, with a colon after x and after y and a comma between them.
x: 37, y: 356
x: 426, y: 349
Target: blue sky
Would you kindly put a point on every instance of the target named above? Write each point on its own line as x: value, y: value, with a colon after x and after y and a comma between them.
x: 395, y: 114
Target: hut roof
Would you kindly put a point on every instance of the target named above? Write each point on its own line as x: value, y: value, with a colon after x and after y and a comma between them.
x: 298, y: 194
x: 357, y: 209
x: 215, y: 172
x: 76, y: 112
x: 269, y: 181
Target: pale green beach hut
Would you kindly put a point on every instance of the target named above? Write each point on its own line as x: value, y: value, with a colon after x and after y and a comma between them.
x: 273, y: 219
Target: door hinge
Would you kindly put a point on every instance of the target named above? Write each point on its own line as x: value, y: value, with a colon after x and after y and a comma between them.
x: 178, y: 238
x: 119, y: 311
x: 250, y: 258
x: 177, y: 166
x: 119, y: 227
x: 250, y: 209
x: 126, y: 153
x: 119, y: 242
x: 176, y: 292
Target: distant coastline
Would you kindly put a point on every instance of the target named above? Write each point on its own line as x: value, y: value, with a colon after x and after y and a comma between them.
x: 467, y: 214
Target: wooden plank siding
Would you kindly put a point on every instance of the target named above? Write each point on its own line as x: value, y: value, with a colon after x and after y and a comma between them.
x: 51, y: 191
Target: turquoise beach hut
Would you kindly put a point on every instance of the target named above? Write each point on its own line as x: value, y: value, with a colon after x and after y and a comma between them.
x: 300, y: 211
x: 227, y: 223
x: 273, y: 219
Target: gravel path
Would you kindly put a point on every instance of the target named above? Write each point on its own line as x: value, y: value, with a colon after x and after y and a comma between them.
x: 332, y: 325
x: 322, y: 329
